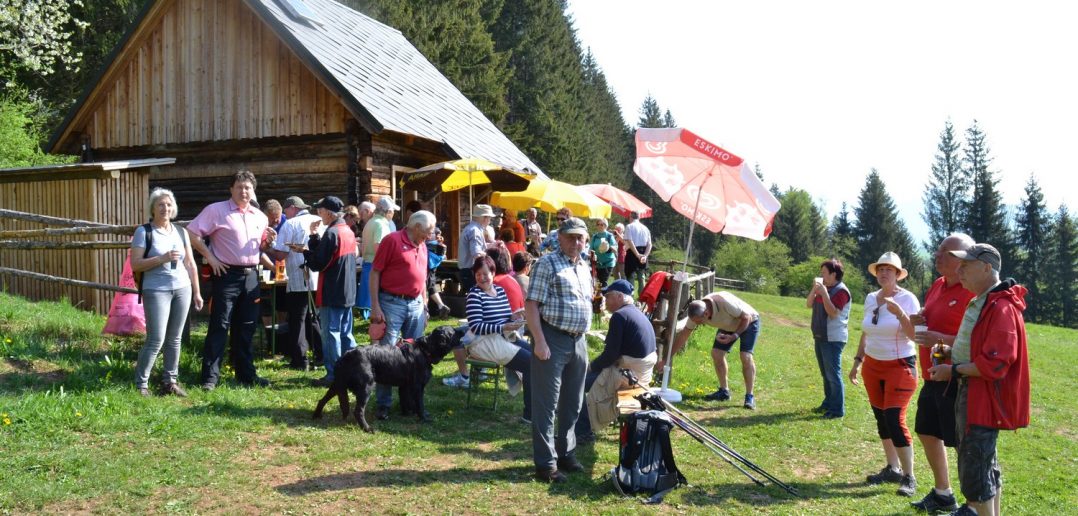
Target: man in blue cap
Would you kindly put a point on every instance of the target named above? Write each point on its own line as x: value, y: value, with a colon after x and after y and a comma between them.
x: 630, y: 344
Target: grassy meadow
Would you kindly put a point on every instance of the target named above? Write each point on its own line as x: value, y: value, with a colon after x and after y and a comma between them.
x: 76, y: 437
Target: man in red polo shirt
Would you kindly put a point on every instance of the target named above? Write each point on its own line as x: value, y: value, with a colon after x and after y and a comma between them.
x: 398, y: 288
x: 945, y: 302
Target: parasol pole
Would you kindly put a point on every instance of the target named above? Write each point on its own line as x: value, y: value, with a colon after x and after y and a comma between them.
x: 666, y: 392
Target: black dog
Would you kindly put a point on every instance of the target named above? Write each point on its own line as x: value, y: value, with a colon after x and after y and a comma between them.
x: 407, y: 366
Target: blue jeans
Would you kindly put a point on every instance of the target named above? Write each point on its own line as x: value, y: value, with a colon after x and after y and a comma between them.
x: 166, y: 313
x: 405, y: 319
x: 336, y: 335
x: 829, y: 358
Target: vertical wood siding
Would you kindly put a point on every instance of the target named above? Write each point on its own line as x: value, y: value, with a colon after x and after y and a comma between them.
x: 108, y: 201
x: 210, y: 70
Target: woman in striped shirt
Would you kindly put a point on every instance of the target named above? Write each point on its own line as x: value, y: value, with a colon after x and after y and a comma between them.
x: 490, y: 318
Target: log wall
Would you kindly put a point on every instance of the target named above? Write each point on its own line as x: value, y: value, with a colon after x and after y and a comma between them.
x: 119, y: 201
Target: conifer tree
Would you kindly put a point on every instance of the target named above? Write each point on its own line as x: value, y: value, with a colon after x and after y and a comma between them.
x: 1061, y: 271
x: 1032, y: 229
x: 668, y: 119
x: 947, y: 192
x: 651, y: 115
x: 879, y: 229
x: 986, y: 215
x: 799, y: 225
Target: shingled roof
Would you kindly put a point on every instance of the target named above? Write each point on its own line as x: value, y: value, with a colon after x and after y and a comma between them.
x: 398, y: 89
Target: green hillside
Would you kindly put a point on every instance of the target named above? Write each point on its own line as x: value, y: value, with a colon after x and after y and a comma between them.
x: 76, y: 437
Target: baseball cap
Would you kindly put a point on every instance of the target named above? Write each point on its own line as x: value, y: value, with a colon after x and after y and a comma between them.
x: 620, y: 285
x: 387, y: 204
x: 330, y: 203
x: 982, y: 252
x: 573, y: 226
x: 295, y: 201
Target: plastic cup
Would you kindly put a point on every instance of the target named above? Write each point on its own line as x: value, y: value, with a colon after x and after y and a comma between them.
x: 920, y: 328
x: 265, y: 276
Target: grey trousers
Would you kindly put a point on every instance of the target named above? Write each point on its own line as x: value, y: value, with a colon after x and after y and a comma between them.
x: 166, y: 312
x: 557, y: 388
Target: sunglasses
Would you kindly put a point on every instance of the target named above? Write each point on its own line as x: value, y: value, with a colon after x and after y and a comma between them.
x: 560, y: 219
x: 876, y: 315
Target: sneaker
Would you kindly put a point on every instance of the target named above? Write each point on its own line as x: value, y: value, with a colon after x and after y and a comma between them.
x: 832, y: 415
x: 458, y: 381
x: 719, y: 395
x: 174, y: 389
x: 934, y: 502
x: 258, y: 381
x: 443, y: 312
x: 907, y: 486
x: 750, y: 402
x: 209, y: 386
x: 965, y: 510
x: 144, y: 392
x: 887, y: 474
x: 819, y: 410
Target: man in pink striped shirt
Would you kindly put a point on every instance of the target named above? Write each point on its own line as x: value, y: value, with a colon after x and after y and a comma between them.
x: 238, y: 233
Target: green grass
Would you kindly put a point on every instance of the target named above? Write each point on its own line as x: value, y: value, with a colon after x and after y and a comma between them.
x: 76, y: 437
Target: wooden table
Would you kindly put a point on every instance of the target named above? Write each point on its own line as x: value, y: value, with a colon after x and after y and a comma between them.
x: 627, y: 404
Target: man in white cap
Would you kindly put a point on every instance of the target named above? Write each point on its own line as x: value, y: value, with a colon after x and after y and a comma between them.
x: 380, y: 225
x: 472, y: 245
x: 289, y: 247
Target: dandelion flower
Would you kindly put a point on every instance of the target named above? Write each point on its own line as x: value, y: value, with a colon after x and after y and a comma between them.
x: 449, y: 412
x: 7, y: 340
x: 7, y: 421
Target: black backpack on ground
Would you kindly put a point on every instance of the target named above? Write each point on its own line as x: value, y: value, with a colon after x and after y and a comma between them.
x: 646, y: 462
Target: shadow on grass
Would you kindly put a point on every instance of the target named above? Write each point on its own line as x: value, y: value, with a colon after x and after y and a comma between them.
x: 402, y: 478
x: 751, y: 418
x: 703, y: 494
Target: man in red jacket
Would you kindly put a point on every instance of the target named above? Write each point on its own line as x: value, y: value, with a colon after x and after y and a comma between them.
x: 991, y: 363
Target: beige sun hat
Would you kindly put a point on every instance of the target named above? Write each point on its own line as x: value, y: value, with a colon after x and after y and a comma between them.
x: 892, y: 259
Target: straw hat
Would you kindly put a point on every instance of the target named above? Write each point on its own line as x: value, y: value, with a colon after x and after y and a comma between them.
x: 892, y: 259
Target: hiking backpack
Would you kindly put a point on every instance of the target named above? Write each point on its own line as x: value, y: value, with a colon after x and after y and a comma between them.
x: 646, y: 463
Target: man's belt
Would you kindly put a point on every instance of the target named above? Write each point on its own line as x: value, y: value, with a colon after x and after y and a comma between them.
x: 573, y: 334
x: 398, y: 296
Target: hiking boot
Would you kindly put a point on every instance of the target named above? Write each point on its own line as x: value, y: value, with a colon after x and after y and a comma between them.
x: 209, y: 386
x: 819, y: 410
x: 719, y: 395
x: 258, y: 381
x: 934, y: 502
x: 750, y: 402
x: 887, y: 474
x: 457, y: 381
x: 550, y: 475
x: 144, y: 392
x: 570, y: 464
x: 965, y: 510
x: 174, y: 389
x: 443, y: 312
x: 907, y: 486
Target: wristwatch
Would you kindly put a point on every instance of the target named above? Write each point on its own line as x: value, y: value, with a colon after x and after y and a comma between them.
x: 954, y: 371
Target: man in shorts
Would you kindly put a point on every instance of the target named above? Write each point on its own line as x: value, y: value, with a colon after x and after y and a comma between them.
x: 735, y: 321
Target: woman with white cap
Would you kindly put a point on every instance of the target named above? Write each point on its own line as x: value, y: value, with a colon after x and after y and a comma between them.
x: 888, y: 354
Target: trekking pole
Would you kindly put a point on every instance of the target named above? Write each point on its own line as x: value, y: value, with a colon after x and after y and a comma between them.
x: 656, y: 402
x: 717, y: 451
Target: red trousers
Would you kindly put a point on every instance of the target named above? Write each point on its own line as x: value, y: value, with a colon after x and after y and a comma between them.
x: 890, y: 385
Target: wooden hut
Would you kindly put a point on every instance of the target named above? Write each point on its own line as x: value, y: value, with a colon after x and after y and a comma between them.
x: 313, y: 97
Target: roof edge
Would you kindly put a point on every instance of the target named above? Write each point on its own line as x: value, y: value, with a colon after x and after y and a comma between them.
x: 106, y: 65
